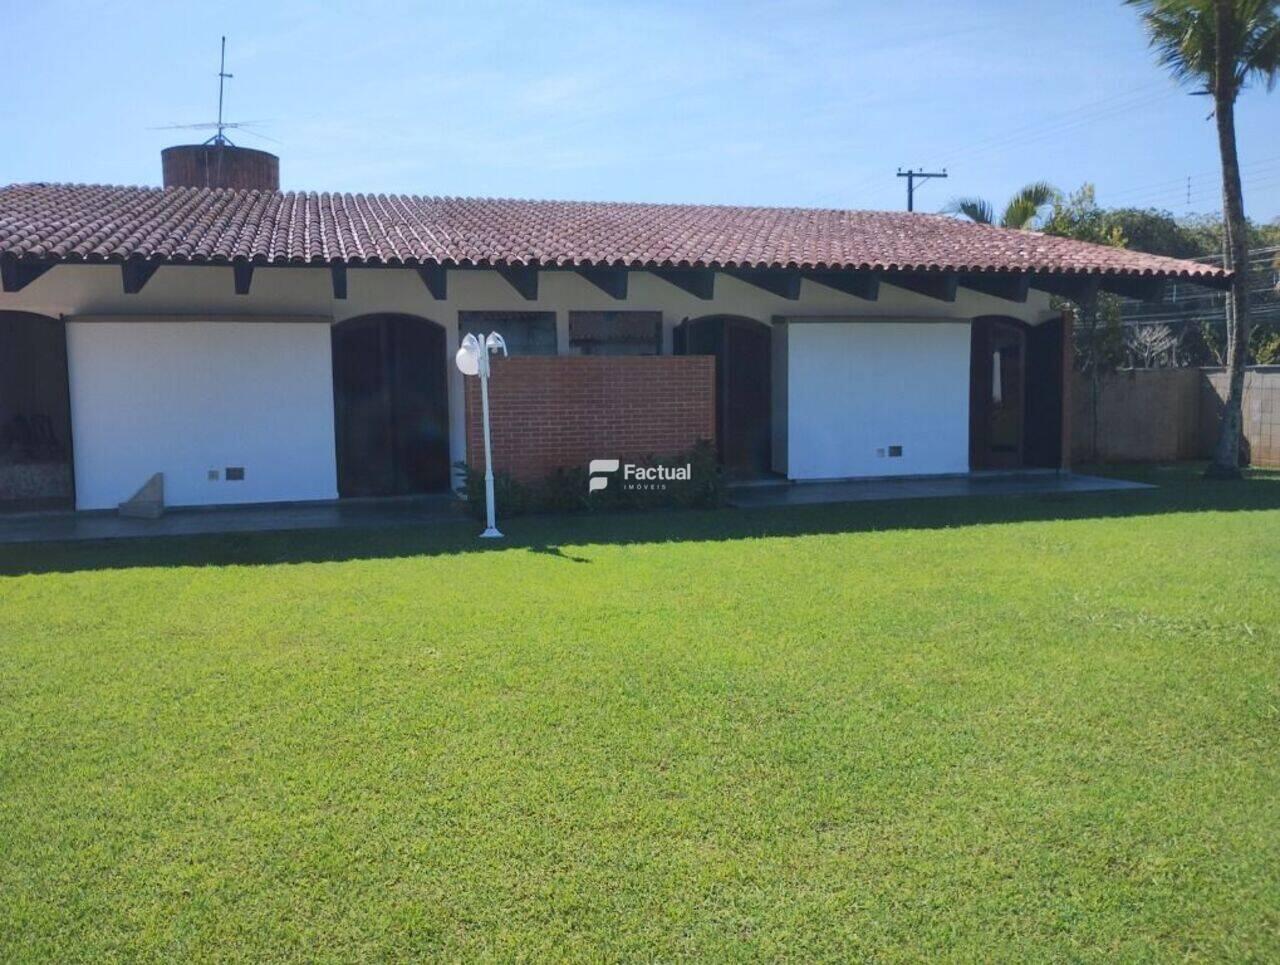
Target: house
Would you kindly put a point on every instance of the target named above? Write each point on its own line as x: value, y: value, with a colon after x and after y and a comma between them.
x: 255, y: 345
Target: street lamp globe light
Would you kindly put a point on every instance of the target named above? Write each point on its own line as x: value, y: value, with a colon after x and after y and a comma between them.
x: 472, y: 358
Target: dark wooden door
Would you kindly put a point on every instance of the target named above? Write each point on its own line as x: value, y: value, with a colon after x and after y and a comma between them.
x: 997, y: 394
x: 362, y: 408
x: 391, y: 414
x: 744, y: 373
x: 420, y: 406
x: 748, y: 373
x: 1045, y: 395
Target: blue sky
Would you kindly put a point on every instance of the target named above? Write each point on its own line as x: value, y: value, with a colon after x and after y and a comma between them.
x: 796, y: 103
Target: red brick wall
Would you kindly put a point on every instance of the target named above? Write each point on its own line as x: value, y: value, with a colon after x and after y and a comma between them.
x: 562, y: 411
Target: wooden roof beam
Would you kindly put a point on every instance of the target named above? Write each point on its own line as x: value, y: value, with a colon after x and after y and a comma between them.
x: 436, y: 278
x: 783, y: 282
x: 941, y: 285
x: 338, y: 274
x: 1080, y: 288
x: 523, y: 278
x: 1011, y: 286
x: 16, y: 275
x: 698, y: 282
x: 860, y: 284
x: 243, y: 273
x: 135, y: 273
x: 611, y: 281
x: 1145, y: 288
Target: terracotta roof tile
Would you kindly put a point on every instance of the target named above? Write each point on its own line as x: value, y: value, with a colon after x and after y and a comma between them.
x: 79, y: 222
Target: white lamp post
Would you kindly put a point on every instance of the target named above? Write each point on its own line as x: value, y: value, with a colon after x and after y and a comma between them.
x: 473, y: 359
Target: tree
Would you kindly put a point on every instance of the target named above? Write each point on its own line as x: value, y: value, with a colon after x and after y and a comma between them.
x: 1219, y: 46
x: 1268, y: 350
x: 1099, y: 336
x: 1158, y: 233
x: 1021, y: 212
x: 1151, y: 346
x: 1078, y: 216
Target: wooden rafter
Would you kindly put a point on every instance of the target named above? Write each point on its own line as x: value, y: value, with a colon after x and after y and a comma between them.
x: 783, y: 282
x: 1011, y: 286
x: 1078, y: 287
x: 135, y: 273
x: 523, y: 278
x: 436, y: 278
x: 17, y: 275
x: 243, y: 272
x: 941, y: 285
x: 611, y: 281
x: 860, y: 284
x: 1145, y: 288
x: 698, y: 282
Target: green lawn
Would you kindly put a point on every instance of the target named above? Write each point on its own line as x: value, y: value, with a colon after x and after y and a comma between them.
x: 1022, y: 728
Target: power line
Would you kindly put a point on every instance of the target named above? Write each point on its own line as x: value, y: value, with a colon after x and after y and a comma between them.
x: 1194, y: 175
x: 1088, y: 112
x: 1201, y: 186
x: 1192, y: 304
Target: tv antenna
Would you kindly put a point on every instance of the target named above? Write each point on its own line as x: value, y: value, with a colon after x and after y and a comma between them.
x: 220, y: 138
x: 219, y: 127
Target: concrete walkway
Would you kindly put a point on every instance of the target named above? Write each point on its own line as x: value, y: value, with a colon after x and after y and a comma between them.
x: 60, y: 526
x: 419, y: 510
x: 784, y: 493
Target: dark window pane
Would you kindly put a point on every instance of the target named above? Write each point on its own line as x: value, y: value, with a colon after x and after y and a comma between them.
x: 526, y: 333
x: 615, y: 333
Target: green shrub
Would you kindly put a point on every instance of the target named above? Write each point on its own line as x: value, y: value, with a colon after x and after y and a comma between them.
x: 512, y: 497
x: 565, y: 489
x: 704, y: 489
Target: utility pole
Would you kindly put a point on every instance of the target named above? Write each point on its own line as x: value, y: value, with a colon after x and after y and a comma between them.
x: 911, y: 176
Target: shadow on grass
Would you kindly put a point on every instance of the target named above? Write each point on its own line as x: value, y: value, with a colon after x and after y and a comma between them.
x: 1181, y: 489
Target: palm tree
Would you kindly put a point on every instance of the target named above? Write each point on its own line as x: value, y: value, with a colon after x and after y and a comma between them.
x: 1021, y: 211
x: 1219, y: 46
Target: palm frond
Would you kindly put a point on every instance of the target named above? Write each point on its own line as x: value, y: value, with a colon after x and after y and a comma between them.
x: 1024, y: 207
x: 975, y: 209
x: 1183, y: 35
x: 1260, y: 42
x: 1181, y: 32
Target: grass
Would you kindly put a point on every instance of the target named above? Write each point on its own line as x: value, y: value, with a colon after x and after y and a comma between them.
x: 1014, y: 729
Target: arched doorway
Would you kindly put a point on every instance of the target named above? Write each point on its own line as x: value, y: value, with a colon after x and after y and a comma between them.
x: 35, y: 414
x: 744, y: 375
x: 1016, y: 396
x: 391, y: 405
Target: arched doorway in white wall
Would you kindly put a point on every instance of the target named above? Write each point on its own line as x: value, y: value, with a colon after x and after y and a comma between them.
x: 743, y: 350
x: 35, y: 414
x: 391, y: 405
x: 1016, y: 393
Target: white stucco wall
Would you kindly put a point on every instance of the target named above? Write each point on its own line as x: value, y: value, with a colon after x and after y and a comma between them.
x: 856, y: 388
x: 184, y: 397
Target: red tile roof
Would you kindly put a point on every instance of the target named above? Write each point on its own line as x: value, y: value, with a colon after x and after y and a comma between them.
x: 76, y: 222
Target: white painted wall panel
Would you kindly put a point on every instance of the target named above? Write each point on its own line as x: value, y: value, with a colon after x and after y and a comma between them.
x: 856, y: 387
x: 184, y: 397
